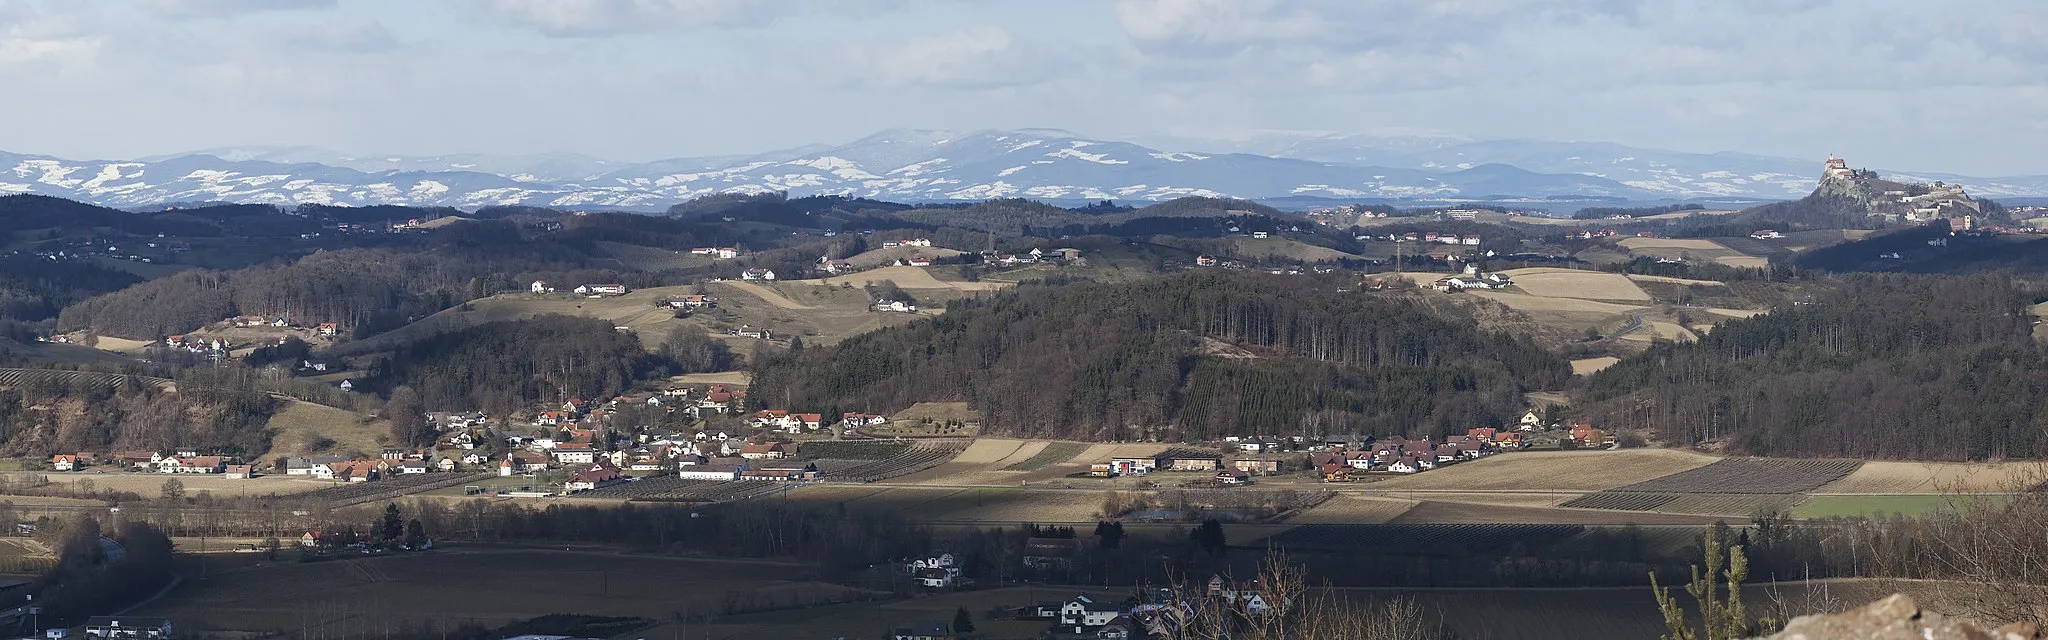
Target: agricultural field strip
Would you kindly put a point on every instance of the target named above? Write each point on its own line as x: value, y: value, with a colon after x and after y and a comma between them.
x: 918, y: 457
x: 666, y: 489
x: 1750, y: 475
x: 391, y: 487
x: 1053, y: 453
x: 1429, y: 538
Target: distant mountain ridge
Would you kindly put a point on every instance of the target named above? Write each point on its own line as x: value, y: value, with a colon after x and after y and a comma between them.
x: 924, y: 165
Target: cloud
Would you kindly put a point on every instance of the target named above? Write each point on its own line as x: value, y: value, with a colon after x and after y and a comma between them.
x: 592, y: 18
x: 979, y: 57
x: 228, y: 8
x: 1224, y: 26
x: 353, y: 35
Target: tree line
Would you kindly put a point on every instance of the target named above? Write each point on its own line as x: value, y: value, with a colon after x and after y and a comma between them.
x: 1187, y: 357
x: 1885, y: 366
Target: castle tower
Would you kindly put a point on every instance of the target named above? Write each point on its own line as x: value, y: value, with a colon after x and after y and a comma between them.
x: 1836, y: 167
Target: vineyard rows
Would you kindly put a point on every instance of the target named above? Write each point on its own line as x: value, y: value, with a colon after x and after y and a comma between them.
x: 669, y: 489
x: 23, y: 377
x: 1750, y: 475
x: 912, y: 460
x: 390, y: 486
x: 856, y: 450
x: 1427, y: 539
x: 1621, y: 500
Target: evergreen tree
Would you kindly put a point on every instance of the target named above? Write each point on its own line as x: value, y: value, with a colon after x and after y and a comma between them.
x: 962, y: 621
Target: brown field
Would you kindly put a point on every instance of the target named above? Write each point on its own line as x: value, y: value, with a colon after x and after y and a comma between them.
x: 1751, y: 475
x: 984, y: 454
x: 489, y: 587
x: 1883, y: 477
x: 1744, y: 262
x: 991, y: 505
x: 766, y: 294
x: 1540, y: 305
x: 151, y: 484
x: 123, y: 345
x: 738, y: 378
x: 1660, y: 330
x: 874, y: 258
x: 1589, y: 366
x: 1688, y: 244
x: 303, y: 428
x: 1502, y: 498
x: 1577, y: 283
x: 905, y: 277
x: 1351, y: 509
x: 1432, y: 512
x: 1734, y: 313
x: 1683, y: 281
x: 1553, y: 471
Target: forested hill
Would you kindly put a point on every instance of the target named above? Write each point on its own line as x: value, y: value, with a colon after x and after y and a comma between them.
x: 1193, y: 356
x: 1887, y: 366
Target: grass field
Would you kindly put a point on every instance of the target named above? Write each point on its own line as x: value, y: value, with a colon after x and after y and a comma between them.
x: 645, y: 258
x: 1577, y: 283
x: 490, y: 587
x: 151, y: 484
x: 1346, y: 509
x: 912, y: 421
x: 304, y: 428
x: 1879, y: 505
x: 1553, y: 471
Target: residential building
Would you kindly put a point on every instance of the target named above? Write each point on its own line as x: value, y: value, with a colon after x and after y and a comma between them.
x: 127, y: 628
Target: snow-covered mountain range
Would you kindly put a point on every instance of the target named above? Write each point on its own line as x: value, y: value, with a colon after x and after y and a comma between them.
x: 919, y: 165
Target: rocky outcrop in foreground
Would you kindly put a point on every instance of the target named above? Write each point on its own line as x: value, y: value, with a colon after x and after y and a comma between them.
x: 1897, y: 618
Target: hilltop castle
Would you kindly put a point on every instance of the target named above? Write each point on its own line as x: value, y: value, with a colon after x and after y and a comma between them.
x: 1911, y: 202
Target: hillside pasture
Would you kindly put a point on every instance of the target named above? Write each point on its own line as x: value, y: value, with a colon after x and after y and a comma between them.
x: 1053, y: 453
x: 1883, y: 506
x: 1279, y: 247
x: 904, y: 277
x: 1553, y: 282
x: 875, y: 258
x: 1574, y: 313
x: 644, y: 258
x: 304, y: 428
x: 1552, y: 471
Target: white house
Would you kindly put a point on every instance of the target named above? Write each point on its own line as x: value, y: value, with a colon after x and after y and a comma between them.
x: 1083, y: 611
x: 898, y: 306
x: 541, y: 287
x: 757, y: 273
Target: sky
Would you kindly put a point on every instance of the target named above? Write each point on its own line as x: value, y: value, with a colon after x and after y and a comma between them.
x: 1935, y: 86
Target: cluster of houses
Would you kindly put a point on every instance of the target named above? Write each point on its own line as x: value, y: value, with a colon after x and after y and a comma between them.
x: 1472, y: 279
x: 716, y: 253
x: 1235, y: 472
x: 138, y: 250
x: 1429, y: 237
x: 181, y: 461
x: 690, y: 301
x: 1031, y: 257
x: 1397, y: 454
x: 1766, y: 234
x: 757, y: 273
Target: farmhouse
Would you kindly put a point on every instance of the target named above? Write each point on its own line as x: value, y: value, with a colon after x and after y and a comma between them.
x: 780, y: 471
x: 1083, y: 612
x: 692, y: 301
x: 597, y: 475
x: 1253, y: 465
x: 601, y: 290
x: 239, y: 472
x: 540, y: 286
x: 757, y: 273
x: 574, y: 453
x: 1188, y: 461
x: 897, y: 306
x: 861, y: 419
x: 1133, y: 465
x: 127, y: 628
x: 327, y: 328
x: 1233, y: 477
x: 768, y: 450
x: 64, y: 462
